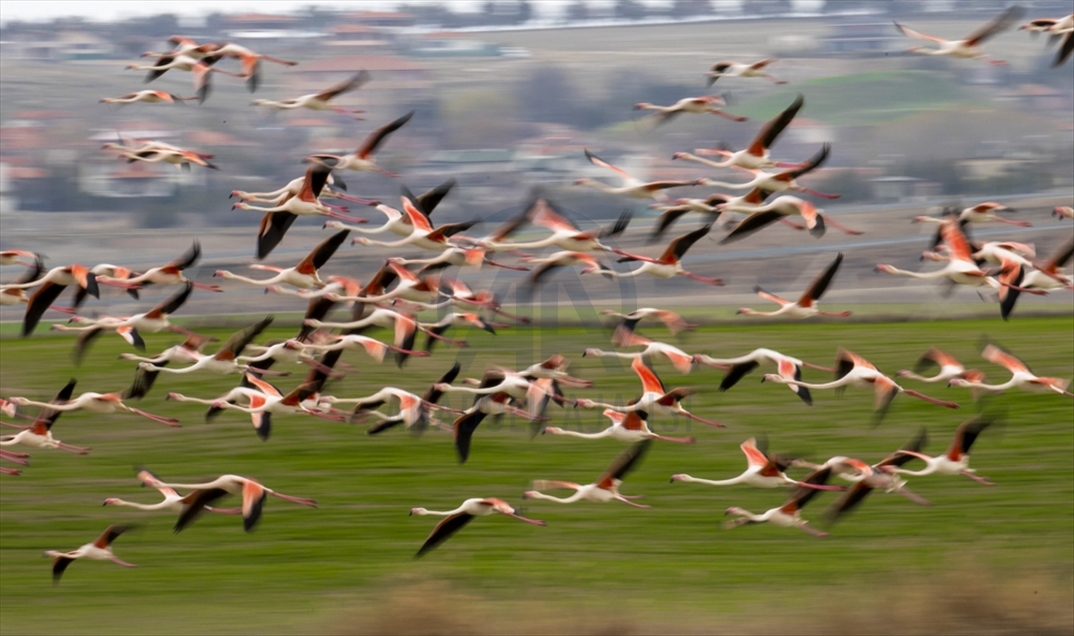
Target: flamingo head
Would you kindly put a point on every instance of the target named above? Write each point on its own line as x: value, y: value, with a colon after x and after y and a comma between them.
x: 675, y: 478
x: 642, y: 105
x: 772, y: 377
x: 530, y: 494
x: 886, y: 269
x: 418, y: 511
x: 957, y: 382
x: 733, y: 510
x: 591, y: 352
x: 110, y: 502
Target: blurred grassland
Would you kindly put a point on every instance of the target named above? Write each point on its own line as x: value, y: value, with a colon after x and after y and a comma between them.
x: 981, y: 560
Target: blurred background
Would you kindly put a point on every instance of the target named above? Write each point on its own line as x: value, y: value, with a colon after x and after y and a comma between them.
x: 507, y: 95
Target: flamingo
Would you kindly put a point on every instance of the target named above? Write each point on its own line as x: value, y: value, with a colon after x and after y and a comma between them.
x: 1063, y: 212
x: 653, y: 397
x: 425, y: 289
x: 1021, y: 376
x: 50, y: 286
x: 565, y: 234
x: 1037, y: 278
x: 278, y: 219
x: 11, y: 257
x: 168, y: 274
x: 494, y: 403
x: 304, y: 275
x: 787, y: 515
x: 605, y: 489
x: 776, y: 210
x: 39, y: 434
x: 631, y: 186
x: 99, y: 550
x: 294, y: 187
x: 413, y: 410
x: 173, y: 501
x: 956, y: 461
x: 776, y: 182
x: 789, y: 368
x: 147, y: 96
x: 756, y: 155
x: 404, y: 326
x: 129, y: 328
x: 1064, y: 26
x: 374, y: 348
x: 668, y: 264
x: 806, y: 306
x: 980, y: 213
x: 697, y: 105
x: 713, y: 207
x: 222, y: 362
x: 16, y: 295
x: 854, y: 370
x: 675, y: 323
x: 182, y: 159
x: 555, y: 368
x: 362, y: 159
x: 969, y: 47
x: 738, y: 69
x: 880, y: 476
x: 961, y: 268
x: 626, y: 427
x: 320, y: 101
x: 102, y: 403
x: 253, y: 495
x: 625, y: 337
x: 251, y: 62
x: 423, y: 235
x: 456, y: 519
x: 200, y: 69
x: 399, y: 223
x: 435, y: 330
x: 188, y: 350
x: 949, y: 368
x: 762, y: 471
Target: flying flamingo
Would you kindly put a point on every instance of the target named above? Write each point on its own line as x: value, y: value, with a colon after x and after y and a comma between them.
x: 756, y: 155
x: 423, y: 234
x: 456, y: 519
x: 374, y: 348
x: 967, y: 48
x: 675, y: 323
x: 1021, y: 376
x: 654, y: 397
x: 99, y: 550
x: 605, y: 489
x: 780, y: 181
x: 625, y: 337
x: 806, y: 306
x: 294, y: 187
x: 200, y: 69
x: 697, y: 105
x: 738, y: 69
x: 712, y: 207
x: 320, y: 101
x: 880, y: 476
x: 980, y: 213
x: 626, y: 427
x: 362, y: 160
x: 304, y: 275
x: 413, y: 410
x: 1036, y: 278
x: 179, y: 157
x: 787, y: 515
x: 252, y: 492
x: 949, y: 368
x: 789, y: 368
x: 854, y: 370
x: 547, y: 264
x: 173, y: 501
x: 222, y: 362
x: 762, y: 471
x: 188, y: 350
x: 17, y: 295
x: 631, y: 186
x: 776, y: 210
x: 668, y: 264
x: 129, y: 328
x: 52, y: 285
x: 399, y: 223
x: 11, y: 257
x: 147, y: 96
x: 1063, y: 212
x: 251, y: 62
x: 565, y: 234
x: 961, y: 268
x: 102, y: 403
x: 169, y: 274
x: 39, y: 434
x: 404, y: 326
x: 278, y: 219
x: 956, y: 461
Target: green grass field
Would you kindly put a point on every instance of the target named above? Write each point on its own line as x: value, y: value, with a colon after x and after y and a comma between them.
x: 981, y: 560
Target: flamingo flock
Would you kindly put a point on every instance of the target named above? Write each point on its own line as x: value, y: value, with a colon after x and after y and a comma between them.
x: 393, y: 297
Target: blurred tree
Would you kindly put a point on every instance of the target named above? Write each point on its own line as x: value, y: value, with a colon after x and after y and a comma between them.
x: 548, y: 95
x: 577, y: 11
x: 479, y: 119
x: 630, y: 10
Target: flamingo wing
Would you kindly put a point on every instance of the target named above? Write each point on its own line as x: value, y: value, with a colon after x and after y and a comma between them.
x: 678, y: 246
x: 545, y: 215
x: 650, y: 382
x: 774, y: 127
x: 109, y: 535
x: 1000, y: 23
x: 820, y: 283
x: 148, y: 478
x: 427, y: 201
x: 808, y: 166
x: 751, y: 224
x: 995, y: 355
x: 356, y: 81
x: 623, y: 464
x: 171, y: 305
x: 444, y: 530
x: 597, y: 161
x: 274, y: 226
x: 376, y: 137
x: 188, y: 258
x: 910, y: 33
x: 194, y: 503
x: 234, y: 345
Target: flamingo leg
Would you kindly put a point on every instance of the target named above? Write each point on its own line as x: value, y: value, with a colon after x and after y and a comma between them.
x: 358, y: 200
x: 709, y: 281
x: 728, y: 115
x: 167, y: 421
x: 820, y: 486
x: 976, y: 478
x: 700, y: 419
x: 77, y: 450
x: 813, y: 531
x: 786, y: 221
x: 824, y: 195
x: 535, y: 522
x: 631, y: 503
x: 489, y: 261
x: 120, y: 561
x: 677, y: 440
x: 343, y: 217
x: 921, y: 396
x: 305, y: 501
x: 215, y: 288
x: 842, y: 228
x: 914, y: 497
